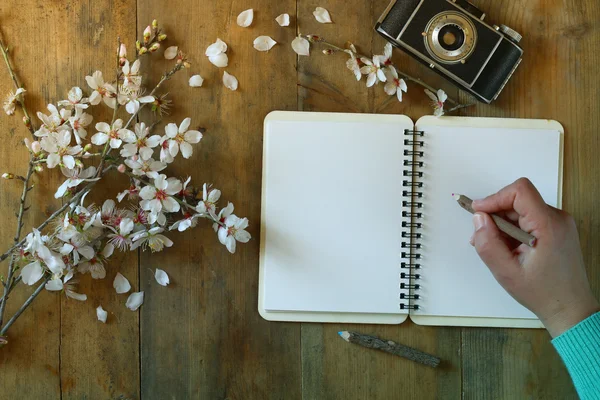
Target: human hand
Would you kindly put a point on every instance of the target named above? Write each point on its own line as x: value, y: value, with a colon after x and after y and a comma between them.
x: 550, y: 278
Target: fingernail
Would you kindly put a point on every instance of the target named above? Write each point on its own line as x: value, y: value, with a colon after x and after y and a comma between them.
x: 478, y: 221
x: 475, y: 203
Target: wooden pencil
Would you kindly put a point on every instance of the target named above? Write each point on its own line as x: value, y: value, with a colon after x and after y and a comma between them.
x: 388, y: 346
x: 505, y: 226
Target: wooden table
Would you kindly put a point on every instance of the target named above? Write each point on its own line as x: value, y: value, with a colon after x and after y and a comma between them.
x: 202, y: 337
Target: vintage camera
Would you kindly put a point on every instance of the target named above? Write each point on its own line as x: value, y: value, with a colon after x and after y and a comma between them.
x: 451, y: 38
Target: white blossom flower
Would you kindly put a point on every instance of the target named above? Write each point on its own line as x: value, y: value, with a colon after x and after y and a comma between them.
x: 352, y: 64
x: 394, y: 85
x: 152, y: 239
x: 69, y: 287
x: 245, y: 18
x: 216, y: 53
x: 224, y: 213
x: 301, y: 46
x: 148, y: 167
x: 159, y: 196
x: 135, y: 300
x: 170, y: 52
x: 189, y: 221
x: 196, y: 81
x: 75, y: 99
x: 142, y: 144
x: 75, y: 177
x: 373, y: 71
x: 78, y: 248
x: 132, y: 192
x: 116, y: 134
x: 121, y: 284
x: 57, y: 145
x: 322, y: 15
x: 79, y: 122
x: 209, y: 200
x: 283, y: 20
x: 101, y: 314
x: 120, y: 239
x: 55, y: 122
x: 161, y: 277
x: 437, y: 101
x: 12, y: 99
x: 165, y: 153
x: 264, y: 43
x: 35, y: 147
x: 234, y: 230
x: 181, y: 138
x: 131, y: 75
x: 102, y: 91
x: 230, y: 81
x: 95, y: 266
x: 32, y: 272
x: 133, y: 98
x: 385, y: 60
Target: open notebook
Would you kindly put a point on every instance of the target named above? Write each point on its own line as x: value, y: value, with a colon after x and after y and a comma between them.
x: 346, y: 199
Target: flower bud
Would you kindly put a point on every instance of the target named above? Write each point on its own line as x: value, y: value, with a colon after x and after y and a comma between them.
x: 138, y: 45
x: 122, y: 50
x: 36, y: 147
x: 155, y: 46
x: 7, y: 176
x: 38, y: 168
x: 142, y: 51
x: 135, y: 157
x: 162, y: 37
x: 328, y: 52
x: 27, y: 122
x: 87, y: 147
x: 147, y: 33
x: 78, y: 163
x: 121, y: 168
x: 154, y: 23
x: 186, y: 64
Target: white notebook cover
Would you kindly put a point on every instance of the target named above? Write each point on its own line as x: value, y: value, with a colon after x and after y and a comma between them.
x: 324, y: 174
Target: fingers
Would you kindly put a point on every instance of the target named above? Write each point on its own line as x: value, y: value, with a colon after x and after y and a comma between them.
x: 520, y: 196
x: 492, y: 247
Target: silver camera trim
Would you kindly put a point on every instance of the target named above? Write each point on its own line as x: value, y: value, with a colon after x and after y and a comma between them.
x: 432, y: 62
x: 432, y: 39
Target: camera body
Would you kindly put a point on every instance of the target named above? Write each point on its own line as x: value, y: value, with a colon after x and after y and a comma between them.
x: 450, y: 37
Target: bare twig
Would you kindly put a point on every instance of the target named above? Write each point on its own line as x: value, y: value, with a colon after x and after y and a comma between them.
x: 24, y: 306
x: 11, y: 287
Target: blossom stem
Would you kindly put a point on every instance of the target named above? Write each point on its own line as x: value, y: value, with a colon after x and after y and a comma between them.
x: 24, y: 306
x: 402, y: 74
x: 22, y: 210
x: 15, y: 80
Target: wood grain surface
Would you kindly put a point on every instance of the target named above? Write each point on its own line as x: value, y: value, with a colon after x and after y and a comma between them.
x: 202, y: 337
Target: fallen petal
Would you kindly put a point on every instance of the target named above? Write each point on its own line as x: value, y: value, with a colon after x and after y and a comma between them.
x: 264, y: 43
x: 171, y: 52
x: 135, y: 300
x: 216, y: 48
x: 101, y: 314
x: 322, y: 15
x: 230, y: 81
x: 220, y: 60
x: 301, y: 46
x: 161, y: 277
x: 245, y: 18
x: 121, y: 284
x: 283, y: 20
x: 196, y: 81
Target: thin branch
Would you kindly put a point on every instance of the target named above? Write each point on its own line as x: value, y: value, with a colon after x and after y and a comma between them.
x: 11, y: 287
x: 24, y: 306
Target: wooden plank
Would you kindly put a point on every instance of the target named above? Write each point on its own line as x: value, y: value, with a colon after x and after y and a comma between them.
x: 557, y: 80
x: 332, y: 368
x: 202, y: 336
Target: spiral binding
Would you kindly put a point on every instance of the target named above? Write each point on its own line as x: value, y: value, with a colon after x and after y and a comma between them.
x: 411, y: 238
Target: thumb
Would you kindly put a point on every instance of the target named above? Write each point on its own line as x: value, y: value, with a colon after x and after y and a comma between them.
x: 491, y: 247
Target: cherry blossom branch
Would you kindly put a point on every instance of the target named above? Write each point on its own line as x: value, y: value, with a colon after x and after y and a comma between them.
x: 24, y: 306
x: 22, y: 210
x: 15, y: 80
x: 404, y: 75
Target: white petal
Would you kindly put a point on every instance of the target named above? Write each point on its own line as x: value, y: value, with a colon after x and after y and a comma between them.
x: 431, y: 95
x: 371, y: 79
x: 101, y: 314
x: 196, y: 81
x: 403, y: 85
x: 230, y: 244
x: 108, y: 250
x: 230, y: 81
x: 245, y: 18
x: 264, y: 43
x: 192, y: 136
x: 99, y: 138
x: 86, y: 251
x: 283, y: 20
x: 31, y: 273
x: 121, y: 284
x: 322, y: 15
x: 185, y: 124
x: 186, y: 149
x: 171, y: 52
x: 161, y: 277
x: 220, y: 60
x: 132, y: 107
x: 441, y: 95
x: 54, y: 285
x: 390, y: 88
x: 301, y: 46
x: 170, y: 204
x: 135, y: 300
x: 216, y: 48
x: 76, y: 296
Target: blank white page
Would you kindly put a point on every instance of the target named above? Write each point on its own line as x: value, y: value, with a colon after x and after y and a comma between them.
x: 331, y: 217
x: 475, y: 162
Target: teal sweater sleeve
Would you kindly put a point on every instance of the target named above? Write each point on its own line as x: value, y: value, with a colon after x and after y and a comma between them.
x: 579, y: 347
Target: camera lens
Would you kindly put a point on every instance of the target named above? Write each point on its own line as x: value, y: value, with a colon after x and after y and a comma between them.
x: 451, y: 37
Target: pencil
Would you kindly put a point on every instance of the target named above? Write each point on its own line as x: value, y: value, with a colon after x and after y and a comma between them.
x: 505, y: 226
x: 388, y: 346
